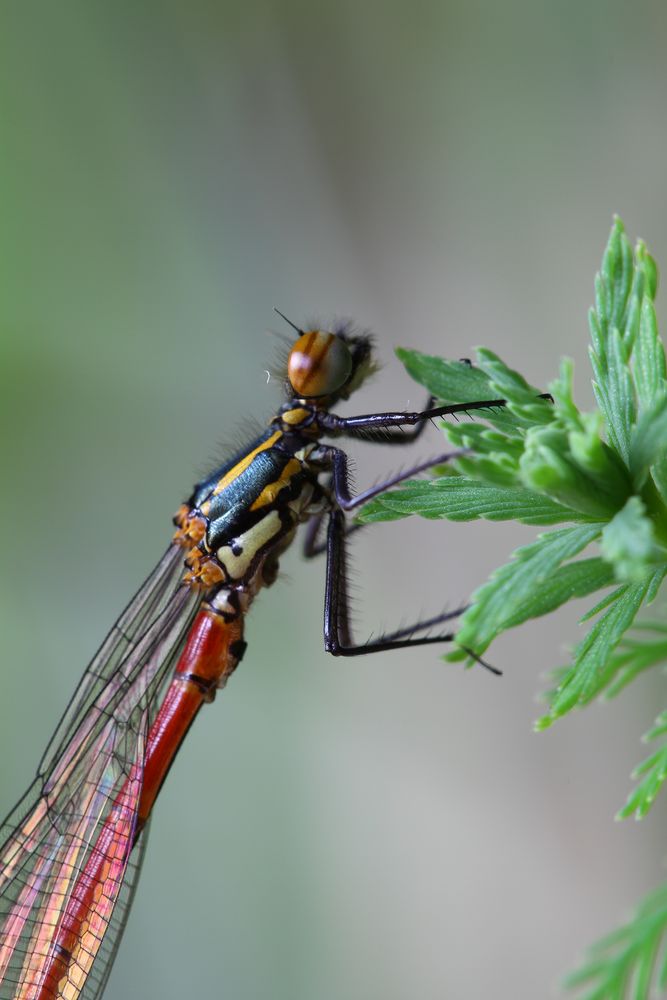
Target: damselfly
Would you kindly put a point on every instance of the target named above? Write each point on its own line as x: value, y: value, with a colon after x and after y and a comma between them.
x: 71, y: 849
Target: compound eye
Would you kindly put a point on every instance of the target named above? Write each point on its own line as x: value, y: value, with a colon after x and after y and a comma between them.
x: 319, y: 364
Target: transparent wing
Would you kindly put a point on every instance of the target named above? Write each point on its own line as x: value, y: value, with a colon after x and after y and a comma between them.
x: 66, y: 846
x: 97, y: 980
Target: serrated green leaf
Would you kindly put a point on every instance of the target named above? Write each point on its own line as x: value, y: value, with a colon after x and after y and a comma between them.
x: 659, y: 476
x: 548, y: 465
x: 523, y: 399
x: 584, y: 679
x: 628, y: 542
x: 457, y: 382
x: 373, y: 513
x: 461, y: 382
x: 614, y: 392
x: 494, y: 469
x: 454, y: 381
x: 620, y: 669
x: 652, y: 771
x: 631, y: 326
x: 493, y: 457
x: 573, y: 580
x: 602, y: 310
x: 648, y: 443
x: 458, y: 498
x: 616, y: 275
x: 634, y: 656
x: 631, y: 320
x: 483, y: 440
x: 648, y: 266
x: 597, y: 336
x: 654, y: 585
x: 606, y: 471
x: 627, y: 959
x: 650, y: 377
x: 515, y: 588
x: 648, y: 360
x: 601, y: 605
x: 562, y: 391
x: 596, y: 458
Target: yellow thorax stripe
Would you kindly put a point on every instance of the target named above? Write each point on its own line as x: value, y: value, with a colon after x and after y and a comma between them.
x: 241, y: 466
x: 270, y: 492
x: 295, y: 416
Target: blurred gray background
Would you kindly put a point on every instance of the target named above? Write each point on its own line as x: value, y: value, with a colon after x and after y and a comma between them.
x: 445, y: 173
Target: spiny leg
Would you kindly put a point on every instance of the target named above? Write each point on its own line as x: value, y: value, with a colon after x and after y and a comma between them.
x: 311, y: 546
x: 396, y: 435
x: 375, y: 421
x: 360, y: 426
x: 425, y: 623
x: 337, y: 638
x: 337, y: 461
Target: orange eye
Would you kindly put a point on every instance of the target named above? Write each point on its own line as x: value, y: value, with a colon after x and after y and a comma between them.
x: 319, y: 363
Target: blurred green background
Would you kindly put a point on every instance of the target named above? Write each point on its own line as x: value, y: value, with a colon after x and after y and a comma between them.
x: 445, y: 173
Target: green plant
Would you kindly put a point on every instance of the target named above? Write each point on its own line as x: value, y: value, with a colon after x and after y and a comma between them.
x: 603, y: 476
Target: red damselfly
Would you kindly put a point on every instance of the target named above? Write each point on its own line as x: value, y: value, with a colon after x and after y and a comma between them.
x: 71, y: 850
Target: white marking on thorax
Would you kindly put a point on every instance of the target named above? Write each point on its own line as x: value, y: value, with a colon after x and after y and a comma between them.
x: 237, y: 558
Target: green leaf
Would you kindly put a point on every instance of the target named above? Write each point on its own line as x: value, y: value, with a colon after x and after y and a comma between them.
x: 573, y: 580
x: 648, y: 444
x: 614, y: 392
x: 453, y: 381
x: 597, y: 337
x: 628, y: 542
x: 523, y: 400
x: 606, y: 473
x: 516, y: 589
x: 652, y: 772
x: 622, y: 321
x: 648, y: 358
x: 494, y: 455
x: 614, y: 283
x: 636, y: 653
x: 598, y: 461
x: 543, y: 463
x: 576, y: 469
x: 457, y: 382
x: 562, y: 391
x: 458, y: 498
x: 649, y: 268
x: 659, y: 476
x: 632, y: 657
x: 584, y: 680
x: 630, y: 962
x: 461, y: 382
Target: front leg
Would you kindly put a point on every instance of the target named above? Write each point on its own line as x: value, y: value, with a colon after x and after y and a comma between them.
x: 369, y: 426
x: 376, y: 421
x: 394, y: 435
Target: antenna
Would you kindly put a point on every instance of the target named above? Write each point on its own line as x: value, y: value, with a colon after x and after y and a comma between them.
x: 289, y: 321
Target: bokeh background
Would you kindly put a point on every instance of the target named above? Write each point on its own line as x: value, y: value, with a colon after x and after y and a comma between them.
x: 445, y: 173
